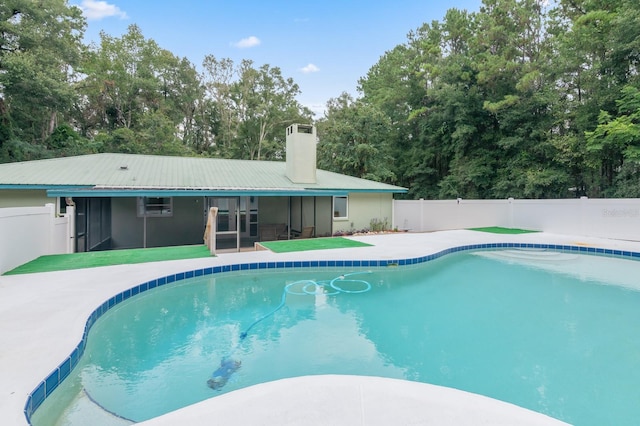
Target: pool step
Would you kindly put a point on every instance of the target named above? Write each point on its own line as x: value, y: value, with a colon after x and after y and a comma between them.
x: 85, y: 411
x: 530, y: 254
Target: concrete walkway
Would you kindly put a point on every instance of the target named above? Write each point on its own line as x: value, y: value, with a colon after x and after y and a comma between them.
x: 42, y: 318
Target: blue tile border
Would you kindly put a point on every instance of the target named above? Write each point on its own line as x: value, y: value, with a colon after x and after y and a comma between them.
x: 51, y: 382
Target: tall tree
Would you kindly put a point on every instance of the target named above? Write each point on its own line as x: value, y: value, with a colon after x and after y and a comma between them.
x: 353, y: 138
x: 218, y: 76
x: 614, y: 145
x: 398, y: 85
x: 465, y: 157
x: 40, y: 47
x: 513, y: 74
x: 597, y: 56
x: 253, y: 107
x: 134, y: 84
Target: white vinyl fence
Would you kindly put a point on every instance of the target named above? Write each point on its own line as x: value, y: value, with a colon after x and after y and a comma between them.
x: 27, y: 233
x: 606, y: 218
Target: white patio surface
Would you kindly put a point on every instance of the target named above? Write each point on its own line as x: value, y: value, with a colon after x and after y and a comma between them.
x: 42, y: 318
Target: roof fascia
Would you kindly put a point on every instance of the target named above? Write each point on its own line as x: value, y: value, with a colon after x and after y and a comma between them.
x: 391, y: 190
x: 47, y: 187
x: 119, y: 193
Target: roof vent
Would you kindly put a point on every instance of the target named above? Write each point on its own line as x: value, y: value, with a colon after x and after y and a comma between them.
x: 124, y: 167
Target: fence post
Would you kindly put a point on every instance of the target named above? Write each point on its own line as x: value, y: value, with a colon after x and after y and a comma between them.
x: 421, y: 215
x: 210, y: 230
x: 510, y: 213
x: 71, y: 228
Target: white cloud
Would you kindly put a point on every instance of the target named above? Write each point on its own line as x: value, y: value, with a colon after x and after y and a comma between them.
x: 309, y: 69
x: 95, y: 10
x: 247, y: 42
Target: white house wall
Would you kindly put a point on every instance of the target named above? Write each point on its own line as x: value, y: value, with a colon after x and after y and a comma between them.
x: 363, y: 208
x: 24, y: 198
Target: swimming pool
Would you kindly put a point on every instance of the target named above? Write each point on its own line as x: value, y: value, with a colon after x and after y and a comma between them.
x: 433, y: 322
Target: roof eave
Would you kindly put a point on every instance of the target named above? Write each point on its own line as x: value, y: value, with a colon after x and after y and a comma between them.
x: 44, y: 187
x: 120, y: 193
x: 385, y: 190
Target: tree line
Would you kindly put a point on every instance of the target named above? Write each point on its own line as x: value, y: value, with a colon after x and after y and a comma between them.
x: 59, y: 97
x: 523, y: 98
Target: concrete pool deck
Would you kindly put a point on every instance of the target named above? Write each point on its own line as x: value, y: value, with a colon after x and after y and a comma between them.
x: 42, y: 319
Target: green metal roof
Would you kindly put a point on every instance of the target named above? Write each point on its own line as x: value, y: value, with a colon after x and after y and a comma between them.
x: 129, y: 174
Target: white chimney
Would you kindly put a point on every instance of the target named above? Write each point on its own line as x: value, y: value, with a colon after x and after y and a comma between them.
x: 301, y: 153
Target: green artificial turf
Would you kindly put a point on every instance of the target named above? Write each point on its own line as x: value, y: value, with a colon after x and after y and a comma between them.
x: 311, y: 244
x: 499, y: 230
x: 63, y: 262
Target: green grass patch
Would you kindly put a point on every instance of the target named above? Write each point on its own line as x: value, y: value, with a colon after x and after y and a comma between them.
x: 499, y: 230
x: 311, y: 244
x: 64, y: 262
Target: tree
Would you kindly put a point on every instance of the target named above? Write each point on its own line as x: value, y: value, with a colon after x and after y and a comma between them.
x: 398, y: 85
x: 614, y: 145
x: 132, y: 83
x: 353, y: 140
x: 218, y: 78
x: 514, y: 75
x: 65, y: 141
x: 253, y: 107
x: 122, y: 80
x: 40, y: 47
x: 183, y: 101
x: 596, y: 56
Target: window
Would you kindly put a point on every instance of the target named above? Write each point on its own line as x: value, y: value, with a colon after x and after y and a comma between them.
x: 155, y: 206
x: 340, y: 207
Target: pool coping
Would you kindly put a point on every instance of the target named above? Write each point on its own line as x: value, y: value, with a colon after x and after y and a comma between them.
x: 430, y: 246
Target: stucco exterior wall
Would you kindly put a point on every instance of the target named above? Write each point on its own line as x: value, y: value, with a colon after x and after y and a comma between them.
x: 362, y: 209
x: 24, y: 198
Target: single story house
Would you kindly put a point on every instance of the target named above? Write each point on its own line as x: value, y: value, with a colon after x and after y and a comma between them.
x: 132, y: 201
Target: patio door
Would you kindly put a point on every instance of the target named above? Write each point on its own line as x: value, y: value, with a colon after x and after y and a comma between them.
x: 93, y: 224
x: 237, y: 223
x: 228, y: 222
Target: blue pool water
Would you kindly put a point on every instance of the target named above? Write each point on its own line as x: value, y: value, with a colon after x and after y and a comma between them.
x: 553, y: 332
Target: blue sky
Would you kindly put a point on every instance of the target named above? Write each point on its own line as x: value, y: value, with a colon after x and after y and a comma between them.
x: 325, y: 46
